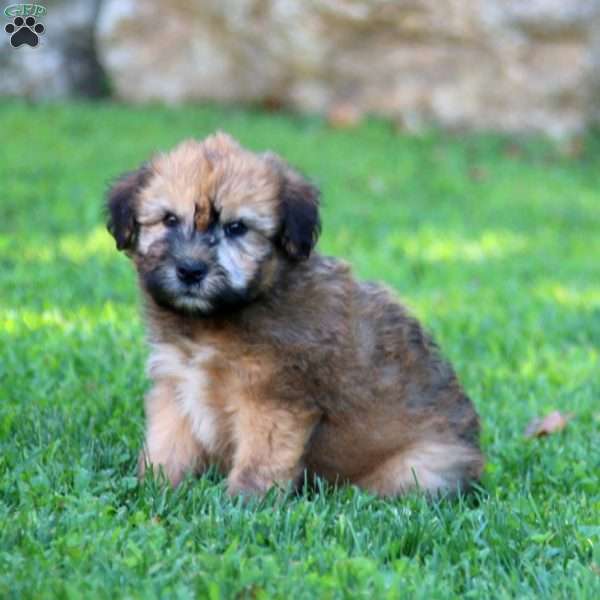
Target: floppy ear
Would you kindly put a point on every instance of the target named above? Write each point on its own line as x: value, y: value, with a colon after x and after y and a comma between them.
x: 120, y: 206
x: 299, y: 209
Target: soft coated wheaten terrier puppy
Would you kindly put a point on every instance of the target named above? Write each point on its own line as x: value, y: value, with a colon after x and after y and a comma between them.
x: 267, y: 359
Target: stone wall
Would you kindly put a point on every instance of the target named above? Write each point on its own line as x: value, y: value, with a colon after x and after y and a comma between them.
x: 501, y: 64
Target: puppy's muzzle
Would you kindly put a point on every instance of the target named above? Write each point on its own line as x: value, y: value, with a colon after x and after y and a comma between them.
x: 191, y: 272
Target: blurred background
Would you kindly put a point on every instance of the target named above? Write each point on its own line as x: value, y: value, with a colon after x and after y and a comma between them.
x: 456, y: 146
x: 510, y: 65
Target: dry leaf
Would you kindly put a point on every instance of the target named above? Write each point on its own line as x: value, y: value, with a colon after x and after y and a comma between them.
x: 272, y: 104
x: 478, y: 173
x: 513, y: 150
x: 344, y: 115
x: 552, y: 423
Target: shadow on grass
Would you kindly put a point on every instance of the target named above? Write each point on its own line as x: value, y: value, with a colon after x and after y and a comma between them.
x: 85, y: 269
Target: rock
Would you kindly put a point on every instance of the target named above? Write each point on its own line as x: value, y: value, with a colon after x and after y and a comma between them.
x: 500, y: 64
x: 212, y: 50
x: 513, y: 65
x: 64, y: 62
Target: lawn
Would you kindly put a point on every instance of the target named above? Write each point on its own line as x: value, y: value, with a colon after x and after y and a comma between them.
x: 494, y: 243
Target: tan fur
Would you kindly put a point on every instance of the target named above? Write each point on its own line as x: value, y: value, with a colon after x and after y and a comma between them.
x: 170, y: 443
x: 315, y: 373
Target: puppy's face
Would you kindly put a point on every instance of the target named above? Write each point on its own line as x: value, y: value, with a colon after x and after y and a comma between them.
x: 210, y: 225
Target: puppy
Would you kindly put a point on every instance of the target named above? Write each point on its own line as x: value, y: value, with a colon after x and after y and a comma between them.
x: 267, y: 359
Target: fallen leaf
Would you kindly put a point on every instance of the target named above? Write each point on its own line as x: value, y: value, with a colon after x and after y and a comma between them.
x: 552, y: 423
x: 344, y: 115
x: 272, y: 104
x: 478, y: 173
x: 513, y: 150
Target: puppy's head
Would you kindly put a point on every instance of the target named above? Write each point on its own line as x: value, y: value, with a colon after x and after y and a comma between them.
x: 210, y: 225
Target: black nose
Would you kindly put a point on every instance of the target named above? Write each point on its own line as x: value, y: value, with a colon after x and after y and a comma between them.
x: 191, y: 272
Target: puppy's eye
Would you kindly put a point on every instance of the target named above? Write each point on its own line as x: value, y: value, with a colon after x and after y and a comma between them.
x: 170, y: 220
x: 234, y: 229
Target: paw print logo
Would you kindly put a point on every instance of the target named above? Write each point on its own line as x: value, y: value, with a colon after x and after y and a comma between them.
x: 24, y: 31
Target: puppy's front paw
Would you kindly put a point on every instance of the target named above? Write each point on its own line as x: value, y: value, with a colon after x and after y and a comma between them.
x: 248, y: 482
x: 172, y: 473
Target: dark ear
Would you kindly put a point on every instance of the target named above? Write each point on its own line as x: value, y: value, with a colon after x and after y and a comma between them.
x: 120, y: 205
x: 299, y: 209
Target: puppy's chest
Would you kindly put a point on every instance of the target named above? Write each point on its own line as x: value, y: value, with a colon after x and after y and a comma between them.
x: 209, y: 389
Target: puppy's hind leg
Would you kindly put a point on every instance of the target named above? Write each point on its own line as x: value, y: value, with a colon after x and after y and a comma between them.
x: 170, y: 445
x: 429, y: 466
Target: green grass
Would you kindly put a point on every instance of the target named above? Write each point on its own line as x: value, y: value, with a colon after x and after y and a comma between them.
x: 495, y: 244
